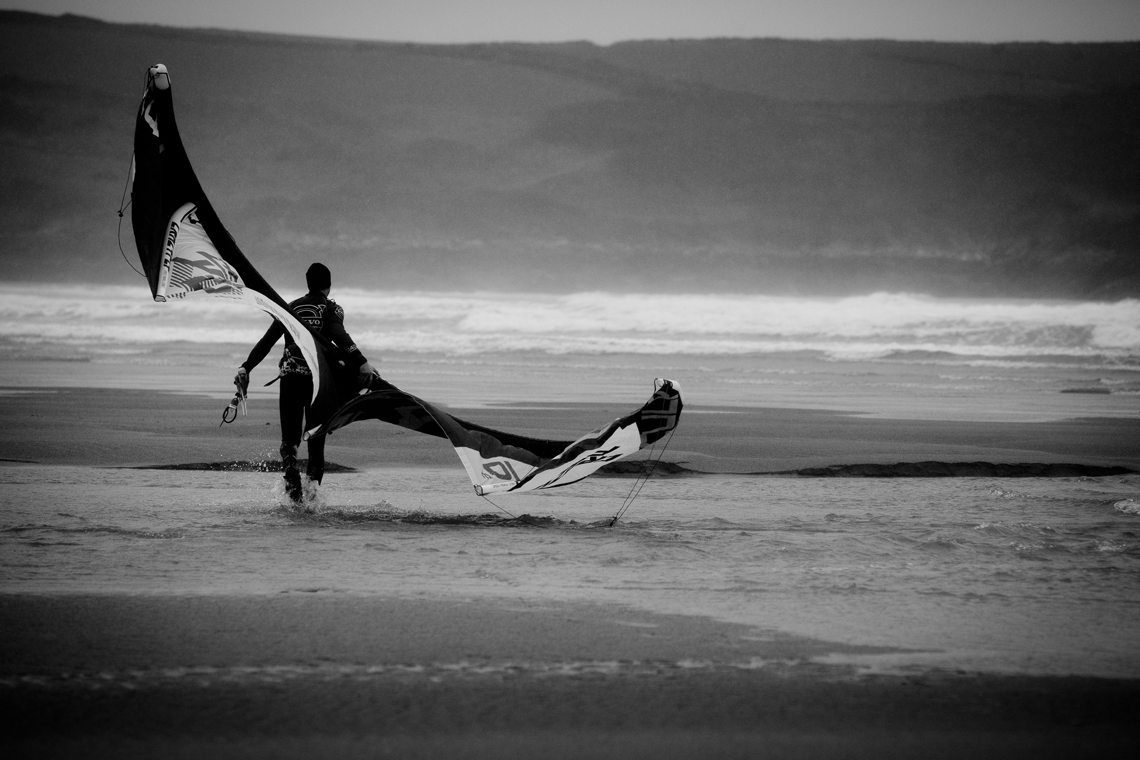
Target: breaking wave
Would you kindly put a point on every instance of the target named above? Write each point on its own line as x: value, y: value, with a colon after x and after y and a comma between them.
x: 885, y: 326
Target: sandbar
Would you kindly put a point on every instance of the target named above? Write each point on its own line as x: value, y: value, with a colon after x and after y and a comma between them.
x: 124, y: 428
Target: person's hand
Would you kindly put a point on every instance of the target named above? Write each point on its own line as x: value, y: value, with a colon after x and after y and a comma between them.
x: 241, y: 380
x: 366, y: 374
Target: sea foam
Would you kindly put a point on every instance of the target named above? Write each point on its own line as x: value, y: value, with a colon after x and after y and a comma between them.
x: 895, y: 327
x: 1128, y: 506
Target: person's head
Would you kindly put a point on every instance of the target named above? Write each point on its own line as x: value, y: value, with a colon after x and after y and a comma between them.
x: 318, y: 278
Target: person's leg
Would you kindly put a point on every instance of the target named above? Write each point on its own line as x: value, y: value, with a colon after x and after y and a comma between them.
x: 291, y: 404
x: 316, y: 468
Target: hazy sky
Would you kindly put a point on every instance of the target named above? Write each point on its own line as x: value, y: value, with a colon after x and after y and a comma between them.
x: 605, y: 21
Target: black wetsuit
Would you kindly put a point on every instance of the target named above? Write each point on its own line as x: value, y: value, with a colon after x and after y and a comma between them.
x: 324, y: 316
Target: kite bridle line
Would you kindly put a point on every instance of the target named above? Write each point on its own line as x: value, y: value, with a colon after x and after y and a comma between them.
x: 654, y: 458
x: 123, y: 203
x: 496, y: 506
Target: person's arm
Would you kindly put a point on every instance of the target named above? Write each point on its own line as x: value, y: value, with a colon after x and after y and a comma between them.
x: 334, y: 329
x: 264, y: 346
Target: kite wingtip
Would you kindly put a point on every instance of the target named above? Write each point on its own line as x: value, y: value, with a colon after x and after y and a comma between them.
x: 159, y: 76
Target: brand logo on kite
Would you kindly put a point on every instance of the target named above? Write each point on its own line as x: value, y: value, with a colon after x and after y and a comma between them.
x: 598, y: 456
x: 601, y: 455
x: 191, y: 263
x: 501, y: 470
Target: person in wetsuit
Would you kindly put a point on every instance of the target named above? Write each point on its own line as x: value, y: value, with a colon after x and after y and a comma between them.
x: 324, y: 316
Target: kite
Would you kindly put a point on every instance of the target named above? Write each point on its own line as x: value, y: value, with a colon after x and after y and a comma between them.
x: 186, y: 252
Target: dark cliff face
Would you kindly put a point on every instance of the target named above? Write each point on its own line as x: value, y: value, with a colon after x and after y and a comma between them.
x: 739, y: 165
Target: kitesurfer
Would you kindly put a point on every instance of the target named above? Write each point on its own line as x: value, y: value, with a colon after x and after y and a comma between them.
x: 326, y: 317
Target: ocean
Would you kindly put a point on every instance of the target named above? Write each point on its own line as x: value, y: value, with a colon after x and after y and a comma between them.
x: 1026, y: 575
x: 889, y: 354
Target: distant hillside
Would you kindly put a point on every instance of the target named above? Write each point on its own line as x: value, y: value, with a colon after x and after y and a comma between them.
x: 743, y: 165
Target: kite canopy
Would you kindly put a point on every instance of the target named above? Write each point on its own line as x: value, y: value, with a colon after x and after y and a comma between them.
x: 186, y: 252
x: 499, y: 462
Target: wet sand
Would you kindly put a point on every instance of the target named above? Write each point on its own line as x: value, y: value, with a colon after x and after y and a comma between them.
x: 323, y: 674
x: 326, y: 675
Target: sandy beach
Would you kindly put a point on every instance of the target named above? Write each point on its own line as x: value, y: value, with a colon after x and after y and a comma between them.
x: 327, y: 674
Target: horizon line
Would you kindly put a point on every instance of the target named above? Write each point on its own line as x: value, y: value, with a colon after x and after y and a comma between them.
x: 331, y: 37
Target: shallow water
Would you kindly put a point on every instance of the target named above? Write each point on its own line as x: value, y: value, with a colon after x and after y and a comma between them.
x: 1019, y: 575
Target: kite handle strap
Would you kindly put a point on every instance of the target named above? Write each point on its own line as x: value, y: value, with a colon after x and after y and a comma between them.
x: 229, y: 414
